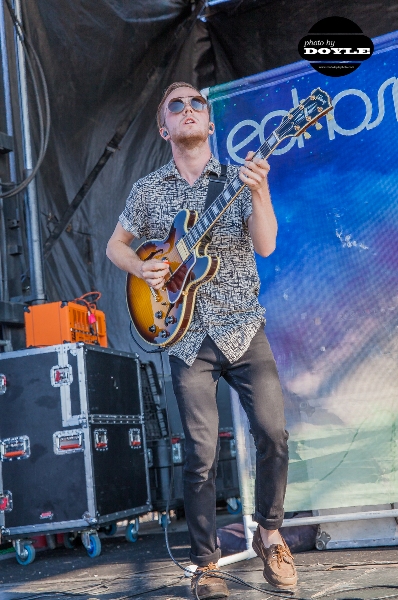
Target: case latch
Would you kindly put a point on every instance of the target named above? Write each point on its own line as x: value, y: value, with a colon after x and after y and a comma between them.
x: 61, y: 375
x: 3, y: 383
x: 176, y: 450
x: 5, y: 501
x: 135, y: 438
x: 15, y: 448
x: 67, y: 442
x: 100, y: 439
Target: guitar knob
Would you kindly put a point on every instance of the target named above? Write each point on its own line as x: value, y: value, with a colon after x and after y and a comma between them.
x: 158, y: 314
x: 170, y: 320
x: 163, y: 333
x: 152, y: 328
x: 318, y: 125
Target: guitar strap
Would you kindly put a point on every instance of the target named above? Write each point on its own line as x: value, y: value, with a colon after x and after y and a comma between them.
x: 216, y: 186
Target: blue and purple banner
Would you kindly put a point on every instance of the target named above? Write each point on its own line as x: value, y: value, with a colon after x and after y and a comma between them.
x: 331, y: 286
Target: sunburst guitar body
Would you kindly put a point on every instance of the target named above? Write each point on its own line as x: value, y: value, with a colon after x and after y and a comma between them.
x: 162, y: 317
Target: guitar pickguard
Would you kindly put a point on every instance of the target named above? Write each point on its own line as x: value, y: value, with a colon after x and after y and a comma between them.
x: 179, y: 279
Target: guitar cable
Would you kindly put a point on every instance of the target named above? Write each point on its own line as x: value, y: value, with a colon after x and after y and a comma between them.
x: 228, y: 576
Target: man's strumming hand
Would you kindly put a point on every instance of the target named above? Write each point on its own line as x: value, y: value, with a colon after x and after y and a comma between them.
x: 154, y: 272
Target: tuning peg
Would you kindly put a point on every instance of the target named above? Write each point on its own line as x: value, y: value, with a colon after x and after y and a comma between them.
x: 330, y: 116
x: 307, y: 135
x: 318, y: 126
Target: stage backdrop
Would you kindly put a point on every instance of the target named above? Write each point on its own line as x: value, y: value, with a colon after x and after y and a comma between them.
x: 331, y: 287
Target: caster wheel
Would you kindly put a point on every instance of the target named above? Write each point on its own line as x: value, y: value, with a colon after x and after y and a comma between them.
x: 70, y: 540
x: 94, y: 548
x: 131, y: 533
x: 109, y: 529
x: 237, y: 510
x: 320, y: 545
x: 28, y: 557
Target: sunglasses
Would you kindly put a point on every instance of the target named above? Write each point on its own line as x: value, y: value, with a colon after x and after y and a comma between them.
x: 177, y: 105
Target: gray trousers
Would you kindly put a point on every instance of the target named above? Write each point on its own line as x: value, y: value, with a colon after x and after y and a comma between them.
x: 255, y: 378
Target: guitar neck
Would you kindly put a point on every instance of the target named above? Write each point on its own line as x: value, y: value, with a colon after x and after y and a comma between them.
x: 211, y: 215
x: 296, y: 122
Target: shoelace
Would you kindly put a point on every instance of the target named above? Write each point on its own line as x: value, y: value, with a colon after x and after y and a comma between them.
x: 209, y: 567
x: 280, y: 552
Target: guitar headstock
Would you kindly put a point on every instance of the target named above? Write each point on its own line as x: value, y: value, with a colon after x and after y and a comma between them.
x: 305, y: 114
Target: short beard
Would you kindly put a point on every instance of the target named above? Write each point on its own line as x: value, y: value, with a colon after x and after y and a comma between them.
x: 191, y: 140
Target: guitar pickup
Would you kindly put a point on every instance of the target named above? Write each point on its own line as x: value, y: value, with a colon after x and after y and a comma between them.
x: 182, y: 250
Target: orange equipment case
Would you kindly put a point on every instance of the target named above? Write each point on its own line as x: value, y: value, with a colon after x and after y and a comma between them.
x: 63, y: 322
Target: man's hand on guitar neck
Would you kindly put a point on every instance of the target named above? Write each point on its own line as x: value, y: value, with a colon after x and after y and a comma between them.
x: 254, y: 173
x: 262, y: 222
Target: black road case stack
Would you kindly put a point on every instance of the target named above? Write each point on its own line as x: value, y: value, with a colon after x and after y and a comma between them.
x: 72, y: 443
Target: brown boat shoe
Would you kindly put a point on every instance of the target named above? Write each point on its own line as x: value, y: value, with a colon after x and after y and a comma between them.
x: 209, y: 586
x: 279, y: 569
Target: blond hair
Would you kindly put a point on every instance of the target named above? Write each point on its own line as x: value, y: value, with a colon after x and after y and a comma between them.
x: 177, y: 84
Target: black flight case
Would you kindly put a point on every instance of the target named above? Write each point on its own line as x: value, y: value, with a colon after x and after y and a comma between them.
x: 72, y: 443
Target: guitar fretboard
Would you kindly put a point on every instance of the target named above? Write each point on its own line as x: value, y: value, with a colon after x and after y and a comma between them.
x: 211, y: 215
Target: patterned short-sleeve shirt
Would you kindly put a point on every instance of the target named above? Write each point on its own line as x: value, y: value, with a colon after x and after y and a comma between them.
x: 227, y: 307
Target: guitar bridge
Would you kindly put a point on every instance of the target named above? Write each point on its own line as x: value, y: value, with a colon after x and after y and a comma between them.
x: 154, y: 294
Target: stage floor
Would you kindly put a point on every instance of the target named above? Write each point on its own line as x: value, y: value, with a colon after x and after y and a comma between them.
x: 143, y: 570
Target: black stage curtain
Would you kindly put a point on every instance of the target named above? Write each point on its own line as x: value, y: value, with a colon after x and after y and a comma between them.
x: 106, y: 64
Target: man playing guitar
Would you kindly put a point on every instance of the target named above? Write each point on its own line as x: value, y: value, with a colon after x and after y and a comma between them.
x: 226, y: 334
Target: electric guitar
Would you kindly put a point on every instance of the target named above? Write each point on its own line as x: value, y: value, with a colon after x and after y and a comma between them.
x: 162, y: 317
